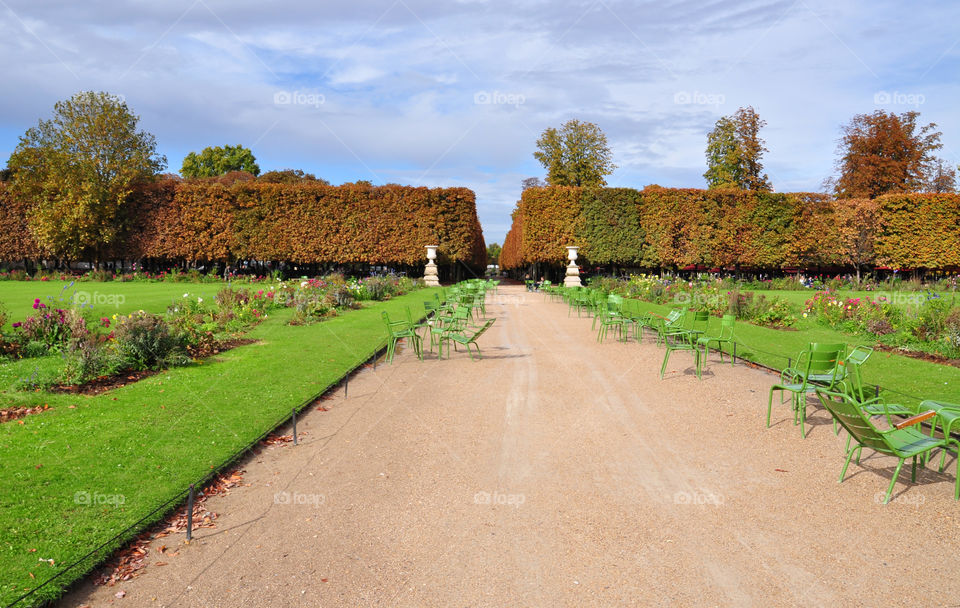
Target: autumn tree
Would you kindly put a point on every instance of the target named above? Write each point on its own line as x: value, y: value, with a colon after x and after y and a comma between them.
x: 885, y: 153
x: 215, y: 161
x: 734, y: 151
x: 79, y: 168
x: 577, y: 154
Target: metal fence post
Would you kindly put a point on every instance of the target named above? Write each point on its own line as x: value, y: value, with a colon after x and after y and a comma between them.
x: 294, y: 417
x: 190, y: 514
x: 734, y: 352
x: 346, y: 384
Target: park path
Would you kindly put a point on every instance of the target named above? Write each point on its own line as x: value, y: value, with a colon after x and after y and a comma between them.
x: 559, y: 472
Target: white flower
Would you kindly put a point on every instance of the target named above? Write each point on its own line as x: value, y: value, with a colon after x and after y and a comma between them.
x: 303, y: 283
x: 199, y: 300
x: 186, y: 295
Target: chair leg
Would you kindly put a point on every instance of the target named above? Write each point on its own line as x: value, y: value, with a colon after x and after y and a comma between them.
x: 893, y: 481
x: 770, y: 405
x: 666, y: 357
x: 846, y: 464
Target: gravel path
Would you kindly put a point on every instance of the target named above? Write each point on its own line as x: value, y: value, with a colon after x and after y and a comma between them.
x: 561, y: 472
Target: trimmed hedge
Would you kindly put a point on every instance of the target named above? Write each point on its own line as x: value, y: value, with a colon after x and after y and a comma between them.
x: 305, y: 222
x: 728, y: 228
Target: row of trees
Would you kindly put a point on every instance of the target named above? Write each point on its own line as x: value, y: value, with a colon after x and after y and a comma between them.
x: 879, y: 153
x: 204, y: 221
x: 728, y: 228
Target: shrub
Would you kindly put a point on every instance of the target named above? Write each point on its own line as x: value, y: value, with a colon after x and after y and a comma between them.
x: 144, y: 341
x: 88, y: 359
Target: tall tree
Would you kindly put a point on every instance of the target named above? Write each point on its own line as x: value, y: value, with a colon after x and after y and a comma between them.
x: 215, y: 161
x: 575, y: 155
x: 532, y: 182
x: 493, y: 253
x: 734, y: 150
x: 943, y: 178
x: 79, y: 168
x: 883, y: 153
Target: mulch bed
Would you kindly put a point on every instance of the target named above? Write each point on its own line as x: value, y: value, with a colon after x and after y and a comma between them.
x: 15, y: 413
x: 206, y: 350
x: 932, y: 358
x: 103, y: 383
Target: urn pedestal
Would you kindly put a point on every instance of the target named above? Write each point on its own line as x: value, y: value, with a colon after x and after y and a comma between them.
x: 572, y: 278
x: 430, y: 277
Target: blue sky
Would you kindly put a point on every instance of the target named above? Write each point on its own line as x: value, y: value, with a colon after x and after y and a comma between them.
x: 456, y: 93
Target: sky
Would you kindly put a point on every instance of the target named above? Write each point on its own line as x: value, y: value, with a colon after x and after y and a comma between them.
x: 456, y: 92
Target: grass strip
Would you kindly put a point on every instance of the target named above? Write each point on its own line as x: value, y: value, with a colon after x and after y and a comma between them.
x: 141, y: 446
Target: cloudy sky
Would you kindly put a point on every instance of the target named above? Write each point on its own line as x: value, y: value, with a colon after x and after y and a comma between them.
x: 444, y: 93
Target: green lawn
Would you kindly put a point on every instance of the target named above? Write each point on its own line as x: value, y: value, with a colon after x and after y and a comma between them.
x: 771, y: 347
x: 148, y: 441
x: 107, y: 298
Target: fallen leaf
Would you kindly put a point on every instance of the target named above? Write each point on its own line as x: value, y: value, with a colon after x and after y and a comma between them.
x: 120, y: 594
x: 781, y: 470
x: 159, y: 563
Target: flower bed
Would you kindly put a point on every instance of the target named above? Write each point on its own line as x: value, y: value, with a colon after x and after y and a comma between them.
x: 104, y: 350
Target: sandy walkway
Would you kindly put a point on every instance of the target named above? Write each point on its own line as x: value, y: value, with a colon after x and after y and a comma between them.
x: 561, y: 472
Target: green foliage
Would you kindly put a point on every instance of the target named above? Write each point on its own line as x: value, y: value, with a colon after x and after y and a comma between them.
x: 290, y: 176
x: 575, y: 155
x: 144, y: 341
x: 734, y: 150
x: 88, y: 359
x: 214, y: 161
x: 493, y: 253
x: 77, y: 170
x: 611, y: 231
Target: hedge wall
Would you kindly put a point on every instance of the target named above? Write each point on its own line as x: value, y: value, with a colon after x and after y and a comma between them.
x: 310, y: 223
x: 727, y: 228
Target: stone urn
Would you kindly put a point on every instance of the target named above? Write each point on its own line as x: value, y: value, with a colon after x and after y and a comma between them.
x: 430, y: 277
x: 572, y: 278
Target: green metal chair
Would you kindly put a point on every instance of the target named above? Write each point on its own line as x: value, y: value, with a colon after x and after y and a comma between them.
x: 817, y: 367
x: 674, y: 320
x: 464, y: 338
x: 680, y: 341
x: 725, y: 336
x: 397, y: 330
x: 612, y: 318
x: 903, y: 440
